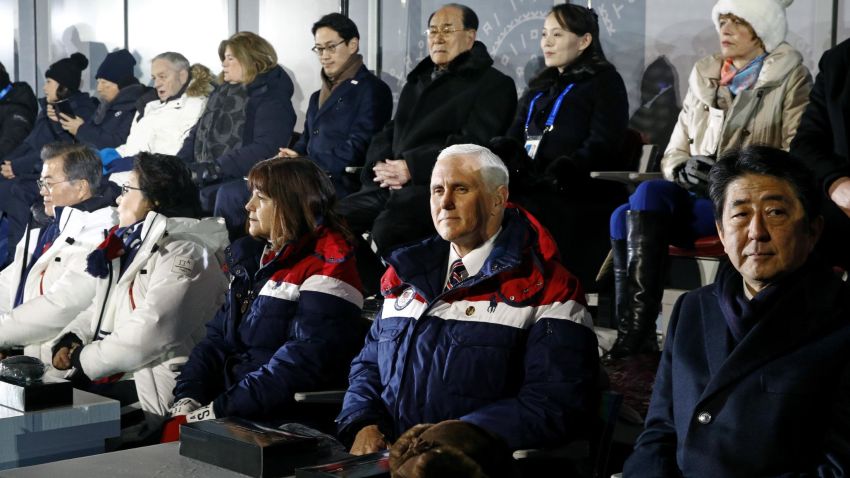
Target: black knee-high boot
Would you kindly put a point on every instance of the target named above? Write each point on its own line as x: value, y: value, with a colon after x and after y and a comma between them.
x: 643, y: 287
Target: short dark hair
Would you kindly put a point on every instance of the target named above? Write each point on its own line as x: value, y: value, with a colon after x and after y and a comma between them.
x: 470, y: 19
x: 339, y: 23
x: 303, y: 195
x: 167, y: 183
x: 79, y: 162
x: 765, y: 161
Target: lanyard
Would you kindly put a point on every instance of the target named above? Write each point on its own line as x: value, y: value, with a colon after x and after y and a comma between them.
x: 5, y: 90
x: 552, y: 114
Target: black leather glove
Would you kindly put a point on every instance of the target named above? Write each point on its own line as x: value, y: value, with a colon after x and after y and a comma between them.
x: 561, y: 173
x: 693, y: 176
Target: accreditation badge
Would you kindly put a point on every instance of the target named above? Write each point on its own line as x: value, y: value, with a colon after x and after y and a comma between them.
x: 531, y: 145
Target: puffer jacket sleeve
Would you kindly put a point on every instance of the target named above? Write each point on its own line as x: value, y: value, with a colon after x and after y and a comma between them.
x: 16, y: 125
x: 679, y: 147
x: 201, y: 377
x: 655, y: 450
x: 42, y: 317
x: 175, y: 305
x: 560, y: 389
x: 795, y: 102
x: 111, y: 134
x: 321, y: 334
x: 362, y: 404
x: 273, y: 123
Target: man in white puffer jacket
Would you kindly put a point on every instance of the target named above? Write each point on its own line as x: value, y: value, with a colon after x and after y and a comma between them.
x: 46, y: 286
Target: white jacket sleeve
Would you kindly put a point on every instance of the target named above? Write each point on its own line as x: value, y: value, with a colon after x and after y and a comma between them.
x: 136, y: 139
x: 41, y: 318
x: 179, y: 301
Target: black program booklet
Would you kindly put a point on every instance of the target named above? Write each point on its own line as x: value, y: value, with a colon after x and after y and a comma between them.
x: 247, y: 447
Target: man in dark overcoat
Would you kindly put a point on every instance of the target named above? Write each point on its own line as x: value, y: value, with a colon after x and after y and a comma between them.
x: 754, y: 379
x: 451, y: 97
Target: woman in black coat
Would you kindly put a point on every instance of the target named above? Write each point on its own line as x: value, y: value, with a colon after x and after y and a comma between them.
x: 572, y: 120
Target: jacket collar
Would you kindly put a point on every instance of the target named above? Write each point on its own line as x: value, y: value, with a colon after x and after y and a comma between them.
x: 343, y: 88
x: 793, y: 319
x: 468, y: 62
x: 705, y: 78
x: 422, y: 265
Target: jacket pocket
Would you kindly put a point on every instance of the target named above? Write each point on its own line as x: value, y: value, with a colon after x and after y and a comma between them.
x: 388, y: 344
x: 479, y: 360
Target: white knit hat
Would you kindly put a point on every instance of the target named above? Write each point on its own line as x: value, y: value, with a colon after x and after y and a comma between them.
x: 767, y: 18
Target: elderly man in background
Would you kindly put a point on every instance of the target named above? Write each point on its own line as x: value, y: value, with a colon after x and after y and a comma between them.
x: 453, y: 96
x: 480, y: 323
x: 755, y: 375
x: 46, y: 285
x: 169, y: 113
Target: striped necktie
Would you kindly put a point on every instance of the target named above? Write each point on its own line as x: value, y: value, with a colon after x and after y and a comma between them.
x: 457, y: 274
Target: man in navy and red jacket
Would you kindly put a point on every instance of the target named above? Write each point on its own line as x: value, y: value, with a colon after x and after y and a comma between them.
x: 480, y: 324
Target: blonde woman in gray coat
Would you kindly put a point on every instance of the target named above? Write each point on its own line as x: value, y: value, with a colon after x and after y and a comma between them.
x: 753, y: 91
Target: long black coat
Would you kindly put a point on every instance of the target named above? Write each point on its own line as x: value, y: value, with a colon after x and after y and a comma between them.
x: 822, y: 137
x: 777, y: 404
x: 18, y: 109
x: 470, y: 103
x: 822, y: 143
x: 588, y: 131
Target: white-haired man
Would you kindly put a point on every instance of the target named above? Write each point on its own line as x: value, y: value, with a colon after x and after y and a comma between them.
x: 480, y: 323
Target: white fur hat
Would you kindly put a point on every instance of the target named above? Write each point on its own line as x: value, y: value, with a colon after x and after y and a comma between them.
x: 767, y: 18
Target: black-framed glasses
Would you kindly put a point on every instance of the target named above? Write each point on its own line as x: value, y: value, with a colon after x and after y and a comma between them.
x: 444, y: 30
x: 42, y: 184
x: 125, y: 188
x: 320, y: 50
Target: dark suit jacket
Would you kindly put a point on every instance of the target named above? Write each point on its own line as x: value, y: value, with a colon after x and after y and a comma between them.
x: 777, y: 404
x: 822, y: 137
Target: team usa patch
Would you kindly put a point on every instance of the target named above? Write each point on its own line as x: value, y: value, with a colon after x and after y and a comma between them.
x: 405, y: 298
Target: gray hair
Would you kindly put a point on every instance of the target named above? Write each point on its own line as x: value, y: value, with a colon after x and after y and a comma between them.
x: 494, y: 173
x: 177, y: 60
x: 80, y: 162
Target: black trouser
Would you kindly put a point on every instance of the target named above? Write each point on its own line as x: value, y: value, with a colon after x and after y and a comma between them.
x: 393, y: 217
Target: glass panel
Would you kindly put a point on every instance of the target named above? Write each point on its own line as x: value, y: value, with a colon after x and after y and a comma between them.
x: 193, y: 28
x: 9, y: 36
x: 93, y: 31
x: 288, y: 29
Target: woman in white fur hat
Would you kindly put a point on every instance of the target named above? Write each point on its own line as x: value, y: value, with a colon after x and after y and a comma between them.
x: 753, y: 91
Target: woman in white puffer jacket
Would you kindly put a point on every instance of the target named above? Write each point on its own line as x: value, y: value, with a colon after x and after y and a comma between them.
x: 160, y: 282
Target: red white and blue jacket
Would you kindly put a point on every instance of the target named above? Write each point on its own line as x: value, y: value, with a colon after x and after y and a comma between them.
x: 287, y: 326
x: 510, y: 349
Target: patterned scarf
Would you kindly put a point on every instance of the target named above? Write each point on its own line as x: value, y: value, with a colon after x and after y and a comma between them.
x: 120, y: 241
x: 743, y: 79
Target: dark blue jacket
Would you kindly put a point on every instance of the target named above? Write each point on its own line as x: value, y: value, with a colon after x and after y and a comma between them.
x: 337, y: 134
x: 269, y: 121
x: 286, y: 327
x: 111, y: 129
x: 511, y: 349
x: 26, y: 158
x: 775, y: 404
x: 18, y: 109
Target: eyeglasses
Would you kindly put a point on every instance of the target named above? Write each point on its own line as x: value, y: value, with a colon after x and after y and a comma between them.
x: 445, y: 31
x: 320, y: 50
x: 42, y: 184
x: 125, y: 188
